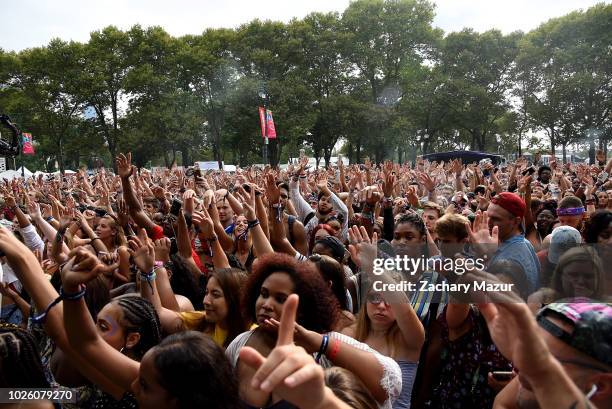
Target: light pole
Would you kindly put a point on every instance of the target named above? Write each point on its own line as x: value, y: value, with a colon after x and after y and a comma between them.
x: 264, y: 96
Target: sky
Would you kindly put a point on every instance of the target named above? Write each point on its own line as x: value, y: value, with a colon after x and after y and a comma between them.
x: 33, y: 23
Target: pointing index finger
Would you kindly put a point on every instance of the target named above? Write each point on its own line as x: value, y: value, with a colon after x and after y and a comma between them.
x: 287, y: 322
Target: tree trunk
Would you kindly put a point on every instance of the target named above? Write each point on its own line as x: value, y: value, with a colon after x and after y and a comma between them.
x: 564, y: 148
x: 60, y: 155
x: 327, y: 156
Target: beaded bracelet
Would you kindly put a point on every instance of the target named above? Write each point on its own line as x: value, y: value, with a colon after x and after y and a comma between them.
x: 149, y: 278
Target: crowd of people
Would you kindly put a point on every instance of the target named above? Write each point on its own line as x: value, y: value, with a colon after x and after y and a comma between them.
x: 180, y: 288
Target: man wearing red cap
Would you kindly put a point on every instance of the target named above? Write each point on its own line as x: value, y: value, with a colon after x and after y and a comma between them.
x: 503, y: 220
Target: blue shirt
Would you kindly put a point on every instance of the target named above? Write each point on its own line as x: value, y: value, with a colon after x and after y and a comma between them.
x: 520, y: 250
x: 230, y: 229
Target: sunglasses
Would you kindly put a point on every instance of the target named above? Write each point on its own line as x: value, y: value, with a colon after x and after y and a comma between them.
x: 375, y: 298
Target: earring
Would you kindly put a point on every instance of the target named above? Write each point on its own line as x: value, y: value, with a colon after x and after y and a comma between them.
x: 592, y: 392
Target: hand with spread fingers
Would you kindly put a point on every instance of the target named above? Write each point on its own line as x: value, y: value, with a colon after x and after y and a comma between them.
x: 482, y: 241
x: 289, y: 371
x: 82, y: 267
x: 143, y: 251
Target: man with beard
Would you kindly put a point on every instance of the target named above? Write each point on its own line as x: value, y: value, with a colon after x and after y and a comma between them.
x: 579, y: 338
x: 498, y: 235
x: 329, y: 204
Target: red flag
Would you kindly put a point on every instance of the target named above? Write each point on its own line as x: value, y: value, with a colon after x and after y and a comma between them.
x: 28, y: 147
x: 271, y: 131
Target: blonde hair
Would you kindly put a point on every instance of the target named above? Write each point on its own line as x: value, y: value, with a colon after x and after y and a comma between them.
x: 364, y: 326
x: 452, y: 225
x: 349, y: 388
x: 120, y: 239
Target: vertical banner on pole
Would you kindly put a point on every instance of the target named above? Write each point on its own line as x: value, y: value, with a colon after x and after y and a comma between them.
x: 28, y: 147
x: 266, y: 120
x: 262, y: 121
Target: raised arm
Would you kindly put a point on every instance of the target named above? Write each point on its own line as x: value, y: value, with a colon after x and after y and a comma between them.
x: 260, y: 241
x: 144, y: 257
x: 47, y: 230
x: 81, y: 330
x: 42, y: 293
x: 125, y: 170
x: 207, y: 234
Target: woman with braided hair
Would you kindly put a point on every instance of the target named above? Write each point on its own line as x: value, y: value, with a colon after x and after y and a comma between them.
x: 186, y: 370
x: 20, y: 365
x: 127, y: 324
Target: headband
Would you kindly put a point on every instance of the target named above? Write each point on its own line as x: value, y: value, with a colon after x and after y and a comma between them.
x: 570, y: 211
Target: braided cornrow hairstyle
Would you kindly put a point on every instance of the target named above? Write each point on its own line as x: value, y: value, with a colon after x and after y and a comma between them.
x: 20, y: 364
x: 140, y: 316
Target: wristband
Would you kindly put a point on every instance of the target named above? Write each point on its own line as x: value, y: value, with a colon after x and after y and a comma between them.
x: 40, y: 318
x: 322, y: 348
x: 159, y: 263
x: 48, y: 219
x: 253, y: 223
x: 149, y: 278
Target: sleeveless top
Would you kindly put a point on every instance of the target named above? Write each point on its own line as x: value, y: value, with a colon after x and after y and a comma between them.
x: 391, y: 380
x: 408, y: 374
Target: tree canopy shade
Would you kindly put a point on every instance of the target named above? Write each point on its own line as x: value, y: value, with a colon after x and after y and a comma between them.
x: 377, y: 77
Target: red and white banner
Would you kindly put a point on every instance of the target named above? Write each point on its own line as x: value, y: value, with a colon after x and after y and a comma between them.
x: 28, y: 147
x: 265, y: 117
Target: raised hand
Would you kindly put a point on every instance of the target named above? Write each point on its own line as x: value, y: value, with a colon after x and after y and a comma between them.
x: 248, y: 202
x: 388, y: 184
x: 272, y: 190
x: 161, y: 248
x: 288, y: 370
x: 515, y: 333
x: 34, y: 210
x: 82, y: 267
x: 123, y: 214
x: 143, y: 251
x: 426, y: 181
x: 483, y: 241
x: 205, y: 222
x: 363, y: 249
x: 124, y: 165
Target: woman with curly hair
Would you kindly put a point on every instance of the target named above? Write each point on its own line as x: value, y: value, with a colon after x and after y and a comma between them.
x: 274, y: 278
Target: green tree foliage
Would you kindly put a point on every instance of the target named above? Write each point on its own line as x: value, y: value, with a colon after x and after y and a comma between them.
x: 372, y: 80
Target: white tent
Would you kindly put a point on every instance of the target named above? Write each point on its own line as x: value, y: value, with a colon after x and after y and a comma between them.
x: 10, y: 174
x: 26, y: 172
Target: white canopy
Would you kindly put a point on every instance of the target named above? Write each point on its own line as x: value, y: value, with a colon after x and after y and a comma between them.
x: 10, y: 174
x: 26, y: 172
